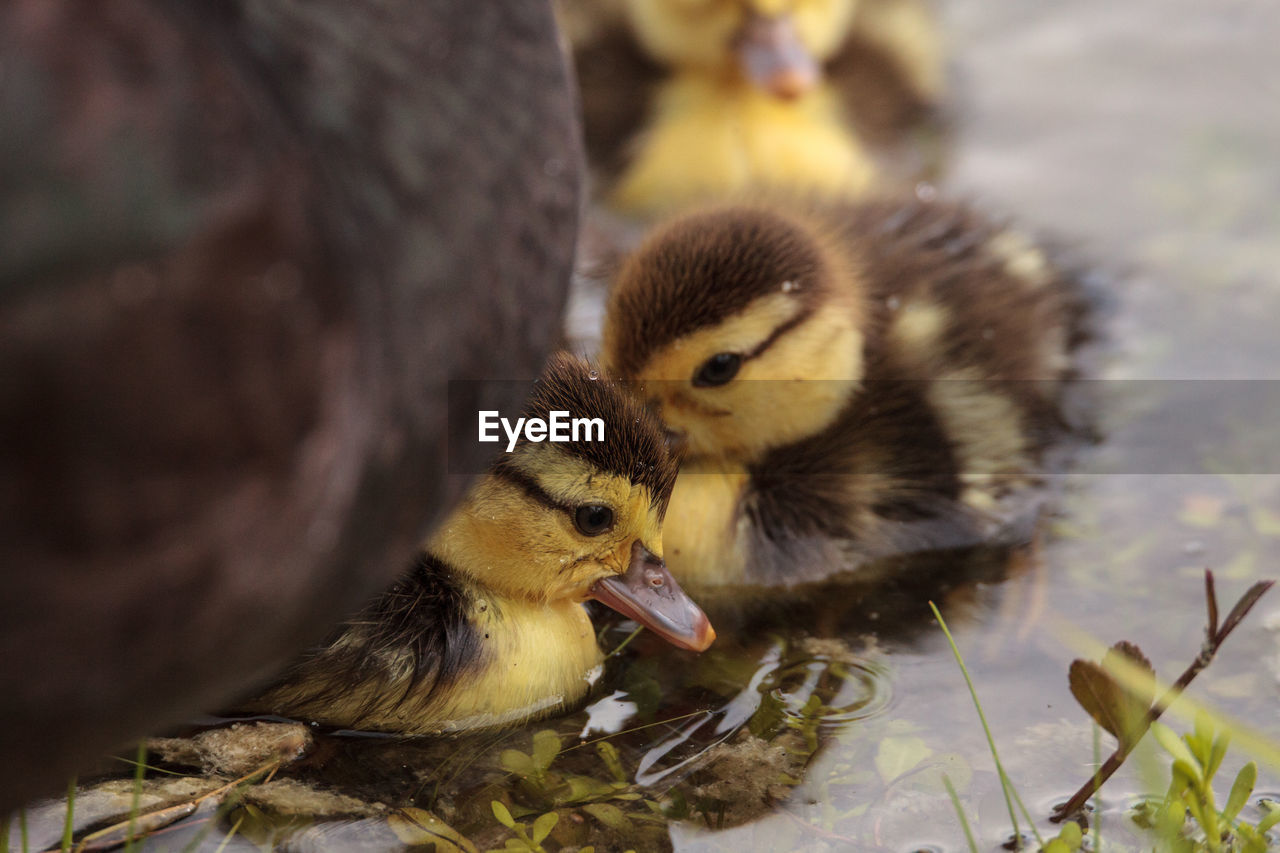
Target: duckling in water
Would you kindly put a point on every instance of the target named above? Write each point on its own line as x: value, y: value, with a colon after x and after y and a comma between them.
x: 489, y: 627
x: 849, y: 382
x: 749, y: 93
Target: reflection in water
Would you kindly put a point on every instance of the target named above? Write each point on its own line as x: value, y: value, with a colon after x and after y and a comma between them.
x: 607, y: 715
x: 812, y: 694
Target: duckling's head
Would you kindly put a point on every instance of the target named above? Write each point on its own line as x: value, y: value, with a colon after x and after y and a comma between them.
x: 725, y: 316
x: 567, y: 521
x: 777, y: 45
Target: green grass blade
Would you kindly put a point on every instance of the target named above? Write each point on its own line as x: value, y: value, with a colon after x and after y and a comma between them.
x: 1097, y: 793
x: 964, y: 821
x: 625, y: 642
x: 69, y: 824
x: 1005, y: 785
x: 1022, y: 807
x: 235, y: 827
x: 139, y: 773
x: 22, y: 830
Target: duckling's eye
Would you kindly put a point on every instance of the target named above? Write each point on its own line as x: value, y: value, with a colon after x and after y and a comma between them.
x: 717, y: 370
x: 593, y: 519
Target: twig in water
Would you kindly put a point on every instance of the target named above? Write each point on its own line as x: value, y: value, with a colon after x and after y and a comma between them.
x: 1214, y: 637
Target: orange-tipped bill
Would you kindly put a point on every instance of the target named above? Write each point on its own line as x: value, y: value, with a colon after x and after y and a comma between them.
x: 772, y: 56
x: 649, y: 594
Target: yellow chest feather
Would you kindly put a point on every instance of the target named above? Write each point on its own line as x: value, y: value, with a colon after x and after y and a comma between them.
x: 540, y: 658
x: 704, y: 534
x: 710, y: 138
x: 535, y: 659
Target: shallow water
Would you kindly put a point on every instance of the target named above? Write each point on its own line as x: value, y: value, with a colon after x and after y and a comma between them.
x: 1145, y: 134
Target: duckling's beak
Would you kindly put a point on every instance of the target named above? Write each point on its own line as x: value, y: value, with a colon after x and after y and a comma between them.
x: 772, y: 56
x: 649, y: 594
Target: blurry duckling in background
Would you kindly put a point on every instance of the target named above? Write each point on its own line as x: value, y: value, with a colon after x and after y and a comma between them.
x: 688, y: 101
x: 849, y: 382
x: 489, y: 627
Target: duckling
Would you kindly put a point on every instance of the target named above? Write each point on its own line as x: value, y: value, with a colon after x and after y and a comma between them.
x: 488, y: 628
x: 849, y: 382
x: 692, y: 100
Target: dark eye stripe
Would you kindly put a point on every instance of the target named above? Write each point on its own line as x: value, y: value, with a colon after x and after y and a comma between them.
x: 531, y: 487
x: 803, y: 314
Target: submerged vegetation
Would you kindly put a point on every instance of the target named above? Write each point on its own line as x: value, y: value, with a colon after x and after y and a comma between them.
x: 754, y: 741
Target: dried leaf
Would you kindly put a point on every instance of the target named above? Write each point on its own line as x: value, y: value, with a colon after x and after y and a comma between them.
x: 1098, y: 693
x: 1242, y: 608
x: 419, y: 827
x: 1117, y: 709
x: 1132, y: 657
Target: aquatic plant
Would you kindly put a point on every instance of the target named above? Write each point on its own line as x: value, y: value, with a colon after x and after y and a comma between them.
x: 531, y: 839
x: 1119, y: 693
x: 1187, y: 819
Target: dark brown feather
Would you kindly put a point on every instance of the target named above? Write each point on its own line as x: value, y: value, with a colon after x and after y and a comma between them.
x: 423, y: 623
x: 634, y: 445
x: 703, y: 268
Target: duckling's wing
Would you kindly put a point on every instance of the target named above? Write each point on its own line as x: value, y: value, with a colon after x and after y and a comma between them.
x: 808, y: 553
x: 384, y: 668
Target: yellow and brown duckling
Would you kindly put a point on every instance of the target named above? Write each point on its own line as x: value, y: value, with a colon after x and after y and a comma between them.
x: 489, y: 627
x: 688, y: 101
x: 849, y: 382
